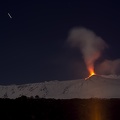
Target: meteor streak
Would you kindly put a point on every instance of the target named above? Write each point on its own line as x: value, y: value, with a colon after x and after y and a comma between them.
x: 9, y: 15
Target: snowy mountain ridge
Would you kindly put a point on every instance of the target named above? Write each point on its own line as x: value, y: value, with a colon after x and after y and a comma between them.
x: 94, y: 87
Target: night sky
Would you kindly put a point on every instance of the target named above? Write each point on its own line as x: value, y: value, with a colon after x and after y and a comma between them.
x: 33, y: 44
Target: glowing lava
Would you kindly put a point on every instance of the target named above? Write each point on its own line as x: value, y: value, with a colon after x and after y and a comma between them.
x: 91, y: 71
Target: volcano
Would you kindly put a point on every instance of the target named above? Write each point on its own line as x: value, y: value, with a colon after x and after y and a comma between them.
x: 94, y: 87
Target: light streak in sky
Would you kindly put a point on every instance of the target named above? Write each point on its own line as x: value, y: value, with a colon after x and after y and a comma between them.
x: 9, y: 15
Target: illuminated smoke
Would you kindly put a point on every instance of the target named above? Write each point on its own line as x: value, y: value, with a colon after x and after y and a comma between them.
x: 108, y: 67
x: 88, y: 43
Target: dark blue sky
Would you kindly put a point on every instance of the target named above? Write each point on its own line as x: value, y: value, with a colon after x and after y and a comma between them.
x: 32, y: 43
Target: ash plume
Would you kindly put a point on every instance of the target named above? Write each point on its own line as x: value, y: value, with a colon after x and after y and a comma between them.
x: 108, y: 67
x: 88, y: 43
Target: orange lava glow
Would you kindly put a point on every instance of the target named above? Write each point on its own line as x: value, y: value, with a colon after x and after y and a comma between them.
x: 91, y: 71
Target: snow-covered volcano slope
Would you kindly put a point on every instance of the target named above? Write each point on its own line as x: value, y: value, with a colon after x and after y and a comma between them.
x: 94, y: 87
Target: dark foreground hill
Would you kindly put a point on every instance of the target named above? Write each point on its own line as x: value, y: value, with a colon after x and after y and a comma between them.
x: 51, y: 109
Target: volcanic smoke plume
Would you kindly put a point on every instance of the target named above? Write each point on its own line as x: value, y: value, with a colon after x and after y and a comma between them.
x: 89, y: 44
x: 108, y: 67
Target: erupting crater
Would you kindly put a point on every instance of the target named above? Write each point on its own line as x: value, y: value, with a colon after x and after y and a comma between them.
x: 92, y: 73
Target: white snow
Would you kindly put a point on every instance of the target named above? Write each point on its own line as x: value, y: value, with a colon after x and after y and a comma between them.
x: 94, y: 87
x: 111, y: 76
